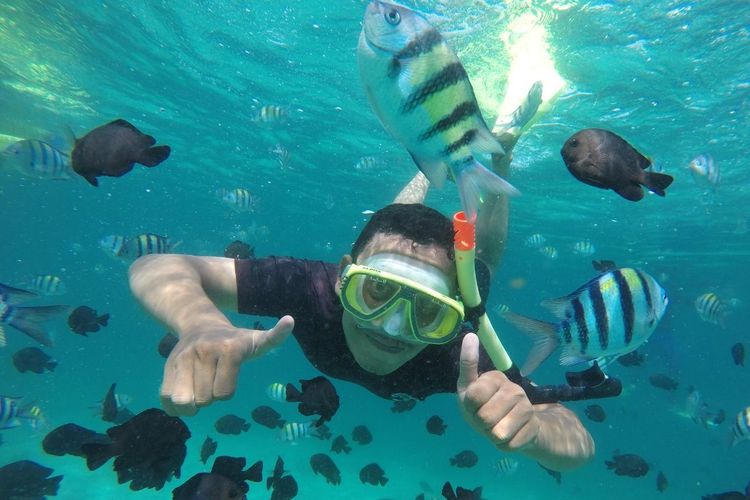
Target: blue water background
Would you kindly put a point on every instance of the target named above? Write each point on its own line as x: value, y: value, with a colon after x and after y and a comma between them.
x: 670, y: 76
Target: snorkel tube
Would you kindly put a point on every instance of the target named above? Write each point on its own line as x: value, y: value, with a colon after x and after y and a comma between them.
x: 591, y: 383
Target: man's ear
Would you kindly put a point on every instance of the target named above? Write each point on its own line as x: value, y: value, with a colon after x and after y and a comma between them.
x: 345, y: 261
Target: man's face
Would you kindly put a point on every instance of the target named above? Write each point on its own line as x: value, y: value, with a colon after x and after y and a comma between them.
x: 374, y: 349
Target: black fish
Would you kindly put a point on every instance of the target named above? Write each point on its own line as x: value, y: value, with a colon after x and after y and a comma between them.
x: 318, y: 397
x: 267, y: 416
x: 323, y: 433
x: 373, y: 474
x: 340, y: 444
x: 284, y: 487
x: 150, y: 449
x: 461, y: 493
x: 27, y: 480
x: 110, y: 405
x: 603, y: 266
x: 225, y: 482
x: 661, y: 482
x: 239, y: 250
x: 465, y: 459
x: 33, y: 359
x: 556, y: 475
x: 166, y: 344
x: 633, y: 358
x: 663, y: 382
x: 738, y: 354
x: 436, y: 426
x: 362, y: 435
x: 231, y: 424
x: 113, y: 149
x: 83, y: 319
x: 595, y: 413
x: 628, y: 464
x: 605, y: 160
x: 208, y: 448
x: 730, y: 495
x: 69, y: 438
x: 323, y: 464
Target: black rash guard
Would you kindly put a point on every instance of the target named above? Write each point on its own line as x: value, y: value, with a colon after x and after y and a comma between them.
x: 304, y: 289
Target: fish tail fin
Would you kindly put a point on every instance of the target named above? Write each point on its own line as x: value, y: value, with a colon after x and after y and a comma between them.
x: 474, y: 182
x: 254, y: 473
x: 51, y: 365
x: 448, y: 492
x: 292, y: 393
x: 383, y: 481
x: 657, y: 183
x: 153, y: 156
x: 544, y: 335
x: 103, y: 319
x: 97, y: 454
x: 29, y: 320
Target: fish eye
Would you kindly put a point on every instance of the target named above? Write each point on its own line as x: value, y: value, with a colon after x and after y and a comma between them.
x: 392, y: 17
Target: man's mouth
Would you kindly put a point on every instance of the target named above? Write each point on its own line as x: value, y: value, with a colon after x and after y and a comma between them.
x: 382, y: 342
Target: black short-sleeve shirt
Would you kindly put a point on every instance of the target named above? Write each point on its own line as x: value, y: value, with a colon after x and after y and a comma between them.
x: 305, y: 289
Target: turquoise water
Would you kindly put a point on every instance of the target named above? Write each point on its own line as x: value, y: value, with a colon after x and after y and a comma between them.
x: 671, y: 77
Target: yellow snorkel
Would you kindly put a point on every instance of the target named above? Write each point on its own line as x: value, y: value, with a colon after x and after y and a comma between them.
x: 464, y: 243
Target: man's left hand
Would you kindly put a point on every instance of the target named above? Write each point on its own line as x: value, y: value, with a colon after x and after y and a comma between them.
x: 492, y: 404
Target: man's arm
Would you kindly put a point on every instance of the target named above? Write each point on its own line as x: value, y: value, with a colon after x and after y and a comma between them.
x: 183, y: 292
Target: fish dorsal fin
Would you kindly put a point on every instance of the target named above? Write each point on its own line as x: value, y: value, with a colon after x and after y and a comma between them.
x: 559, y: 306
x: 436, y: 172
x: 122, y: 123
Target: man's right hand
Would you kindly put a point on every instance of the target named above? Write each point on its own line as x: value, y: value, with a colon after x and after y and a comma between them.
x: 204, y: 365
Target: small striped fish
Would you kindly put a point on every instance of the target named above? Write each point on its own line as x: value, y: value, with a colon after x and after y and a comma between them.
x: 148, y: 243
x: 741, y: 428
x: 422, y: 95
x: 584, y: 247
x: 270, y: 113
x: 549, y: 252
x: 38, y: 159
x: 239, y: 198
x: 11, y: 413
x: 276, y: 391
x: 294, y: 431
x: 536, y: 240
x: 712, y: 309
x: 610, y: 315
x: 506, y: 466
x: 47, y: 284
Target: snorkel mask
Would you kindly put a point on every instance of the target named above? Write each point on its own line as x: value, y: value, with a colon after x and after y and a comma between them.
x: 409, y: 296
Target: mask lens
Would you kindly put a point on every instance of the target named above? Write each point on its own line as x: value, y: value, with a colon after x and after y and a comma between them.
x: 377, y: 291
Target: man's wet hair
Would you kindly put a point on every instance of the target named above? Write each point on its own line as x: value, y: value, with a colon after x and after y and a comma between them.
x: 416, y: 222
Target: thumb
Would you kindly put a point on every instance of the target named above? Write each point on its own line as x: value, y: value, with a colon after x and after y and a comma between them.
x: 275, y: 336
x: 468, y: 368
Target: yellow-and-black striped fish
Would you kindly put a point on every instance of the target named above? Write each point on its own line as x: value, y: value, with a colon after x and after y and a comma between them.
x: 38, y: 159
x: 610, y: 315
x: 238, y: 198
x: 276, y: 391
x: 293, y: 431
x: 148, y: 243
x: 47, y: 284
x: 712, y: 309
x: 422, y: 95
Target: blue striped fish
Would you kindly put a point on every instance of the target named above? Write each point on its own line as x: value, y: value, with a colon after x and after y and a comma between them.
x: 148, y: 243
x: 11, y: 413
x: 38, y: 159
x: 115, y: 245
x: 294, y: 431
x: 47, y: 284
x: 276, y: 391
x: 422, y: 95
x: 610, y: 315
x: 238, y: 198
x: 741, y: 428
x: 712, y: 309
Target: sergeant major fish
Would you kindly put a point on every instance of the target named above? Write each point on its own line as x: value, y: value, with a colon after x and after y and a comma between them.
x: 422, y: 95
x: 705, y: 169
x: 37, y: 159
x: 610, y: 315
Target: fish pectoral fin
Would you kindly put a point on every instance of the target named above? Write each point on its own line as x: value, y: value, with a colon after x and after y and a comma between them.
x: 91, y: 179
x: 569, y: 356
x: 436, y: 172
x: 633, y: 192
x: 486, y: 143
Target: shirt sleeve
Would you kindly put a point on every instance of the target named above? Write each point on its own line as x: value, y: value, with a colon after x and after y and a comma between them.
x: 272, y: 286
